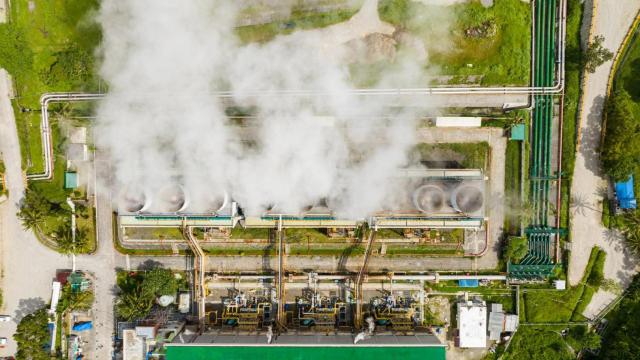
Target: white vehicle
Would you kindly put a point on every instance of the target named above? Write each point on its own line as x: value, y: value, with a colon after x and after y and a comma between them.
x: 3, y: 341
x: 5, y: 318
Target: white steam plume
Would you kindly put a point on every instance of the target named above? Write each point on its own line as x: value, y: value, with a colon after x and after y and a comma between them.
x: 160, y: 124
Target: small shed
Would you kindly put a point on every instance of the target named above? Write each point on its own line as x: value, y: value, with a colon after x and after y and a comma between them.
x: 625, y: 194
x: 70, y: 180
x: 518, y: 132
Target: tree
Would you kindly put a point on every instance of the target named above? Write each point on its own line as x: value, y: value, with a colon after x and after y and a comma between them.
x: 134, y: 305
x: 67, y: 244
x: 75, y: 300
x: 621, y: 148
x: 596, y: 54
x: 517, y: 248
x: 158, y: 282
x: 32, y: 336
x: 631, y: 231
x: 579, y: 338
x: 33, y: 209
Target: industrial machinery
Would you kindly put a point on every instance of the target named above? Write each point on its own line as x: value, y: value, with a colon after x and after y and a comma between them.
x: 395, y: 313
x: 318, y: 312
x: 246, y: 313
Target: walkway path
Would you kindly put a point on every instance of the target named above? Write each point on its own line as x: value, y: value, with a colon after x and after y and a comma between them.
x: 612, y: 20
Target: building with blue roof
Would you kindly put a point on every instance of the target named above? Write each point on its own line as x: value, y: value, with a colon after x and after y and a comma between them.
x: 625, y: 196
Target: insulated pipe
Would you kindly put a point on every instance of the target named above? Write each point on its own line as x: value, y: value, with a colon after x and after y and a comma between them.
x: 370, y: 278
x: 304, y: 285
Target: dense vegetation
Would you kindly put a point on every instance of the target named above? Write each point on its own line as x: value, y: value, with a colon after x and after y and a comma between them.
x: 549, y: 343
x: 138, y: 291
x: 620, y: 341
x: 32, y: 336
x: 621, y: 150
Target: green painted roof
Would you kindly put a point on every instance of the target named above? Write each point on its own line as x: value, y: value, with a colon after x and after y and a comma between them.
x: 518, y: 132
x: 70, y: 180
x: 305, y: 352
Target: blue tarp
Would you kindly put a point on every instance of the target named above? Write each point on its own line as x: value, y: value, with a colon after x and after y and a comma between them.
x: 86, y: 325
x: 624, y: 194
x: 468, y: 283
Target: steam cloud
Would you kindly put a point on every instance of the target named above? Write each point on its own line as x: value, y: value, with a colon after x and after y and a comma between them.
x: 161, y: 125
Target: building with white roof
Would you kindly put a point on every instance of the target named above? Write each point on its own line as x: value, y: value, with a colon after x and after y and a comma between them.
x: 472, y: 324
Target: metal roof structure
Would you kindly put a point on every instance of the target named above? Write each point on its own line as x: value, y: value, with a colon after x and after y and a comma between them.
x: 472, y: 324
x: 309, y: 347
x: 625, y: 194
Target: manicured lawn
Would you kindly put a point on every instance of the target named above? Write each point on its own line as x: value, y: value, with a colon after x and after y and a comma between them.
x: 499, y: 53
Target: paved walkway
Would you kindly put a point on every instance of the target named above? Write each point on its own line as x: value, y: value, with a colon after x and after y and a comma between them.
x: 612, y: 20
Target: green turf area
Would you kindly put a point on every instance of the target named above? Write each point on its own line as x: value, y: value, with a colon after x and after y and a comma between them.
x: 305, y: 235
x: 473, y: 155
x: 495, y: 41
x: 300, y: 19
x: 554, y: 306
x: 154, y: 233
x: 303, y: 353
x: 249, y: 234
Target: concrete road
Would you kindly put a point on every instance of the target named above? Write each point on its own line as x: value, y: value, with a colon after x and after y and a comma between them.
x: 612, y: 20
x: 27, y: 266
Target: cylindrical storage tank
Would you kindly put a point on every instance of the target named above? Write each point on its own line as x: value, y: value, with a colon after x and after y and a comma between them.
x: 172, y: 198
x: 428, y: 198
x: 467, y: 199
x: 134, y: 199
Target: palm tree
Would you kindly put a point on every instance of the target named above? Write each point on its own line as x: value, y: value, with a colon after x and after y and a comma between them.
x: 67, y: 243
x: 134, y: 305
x: 30, y: 217
x: 33, y: 210
x: 631, y: 231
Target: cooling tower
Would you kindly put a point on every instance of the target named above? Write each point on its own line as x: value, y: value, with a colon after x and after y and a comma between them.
x: 467, y: 199
x: 134, y: 199
x: 172, y: 198
x: 217, y: 202
x: 428, y: 198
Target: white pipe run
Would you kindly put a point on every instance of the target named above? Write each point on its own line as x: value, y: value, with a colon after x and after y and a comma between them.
x: 241, y: 278
x: 249, y: 285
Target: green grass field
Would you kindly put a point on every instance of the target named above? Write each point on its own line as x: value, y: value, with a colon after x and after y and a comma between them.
x: 475, y: 155
x: 552, y: 306
x: 500, y: 57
